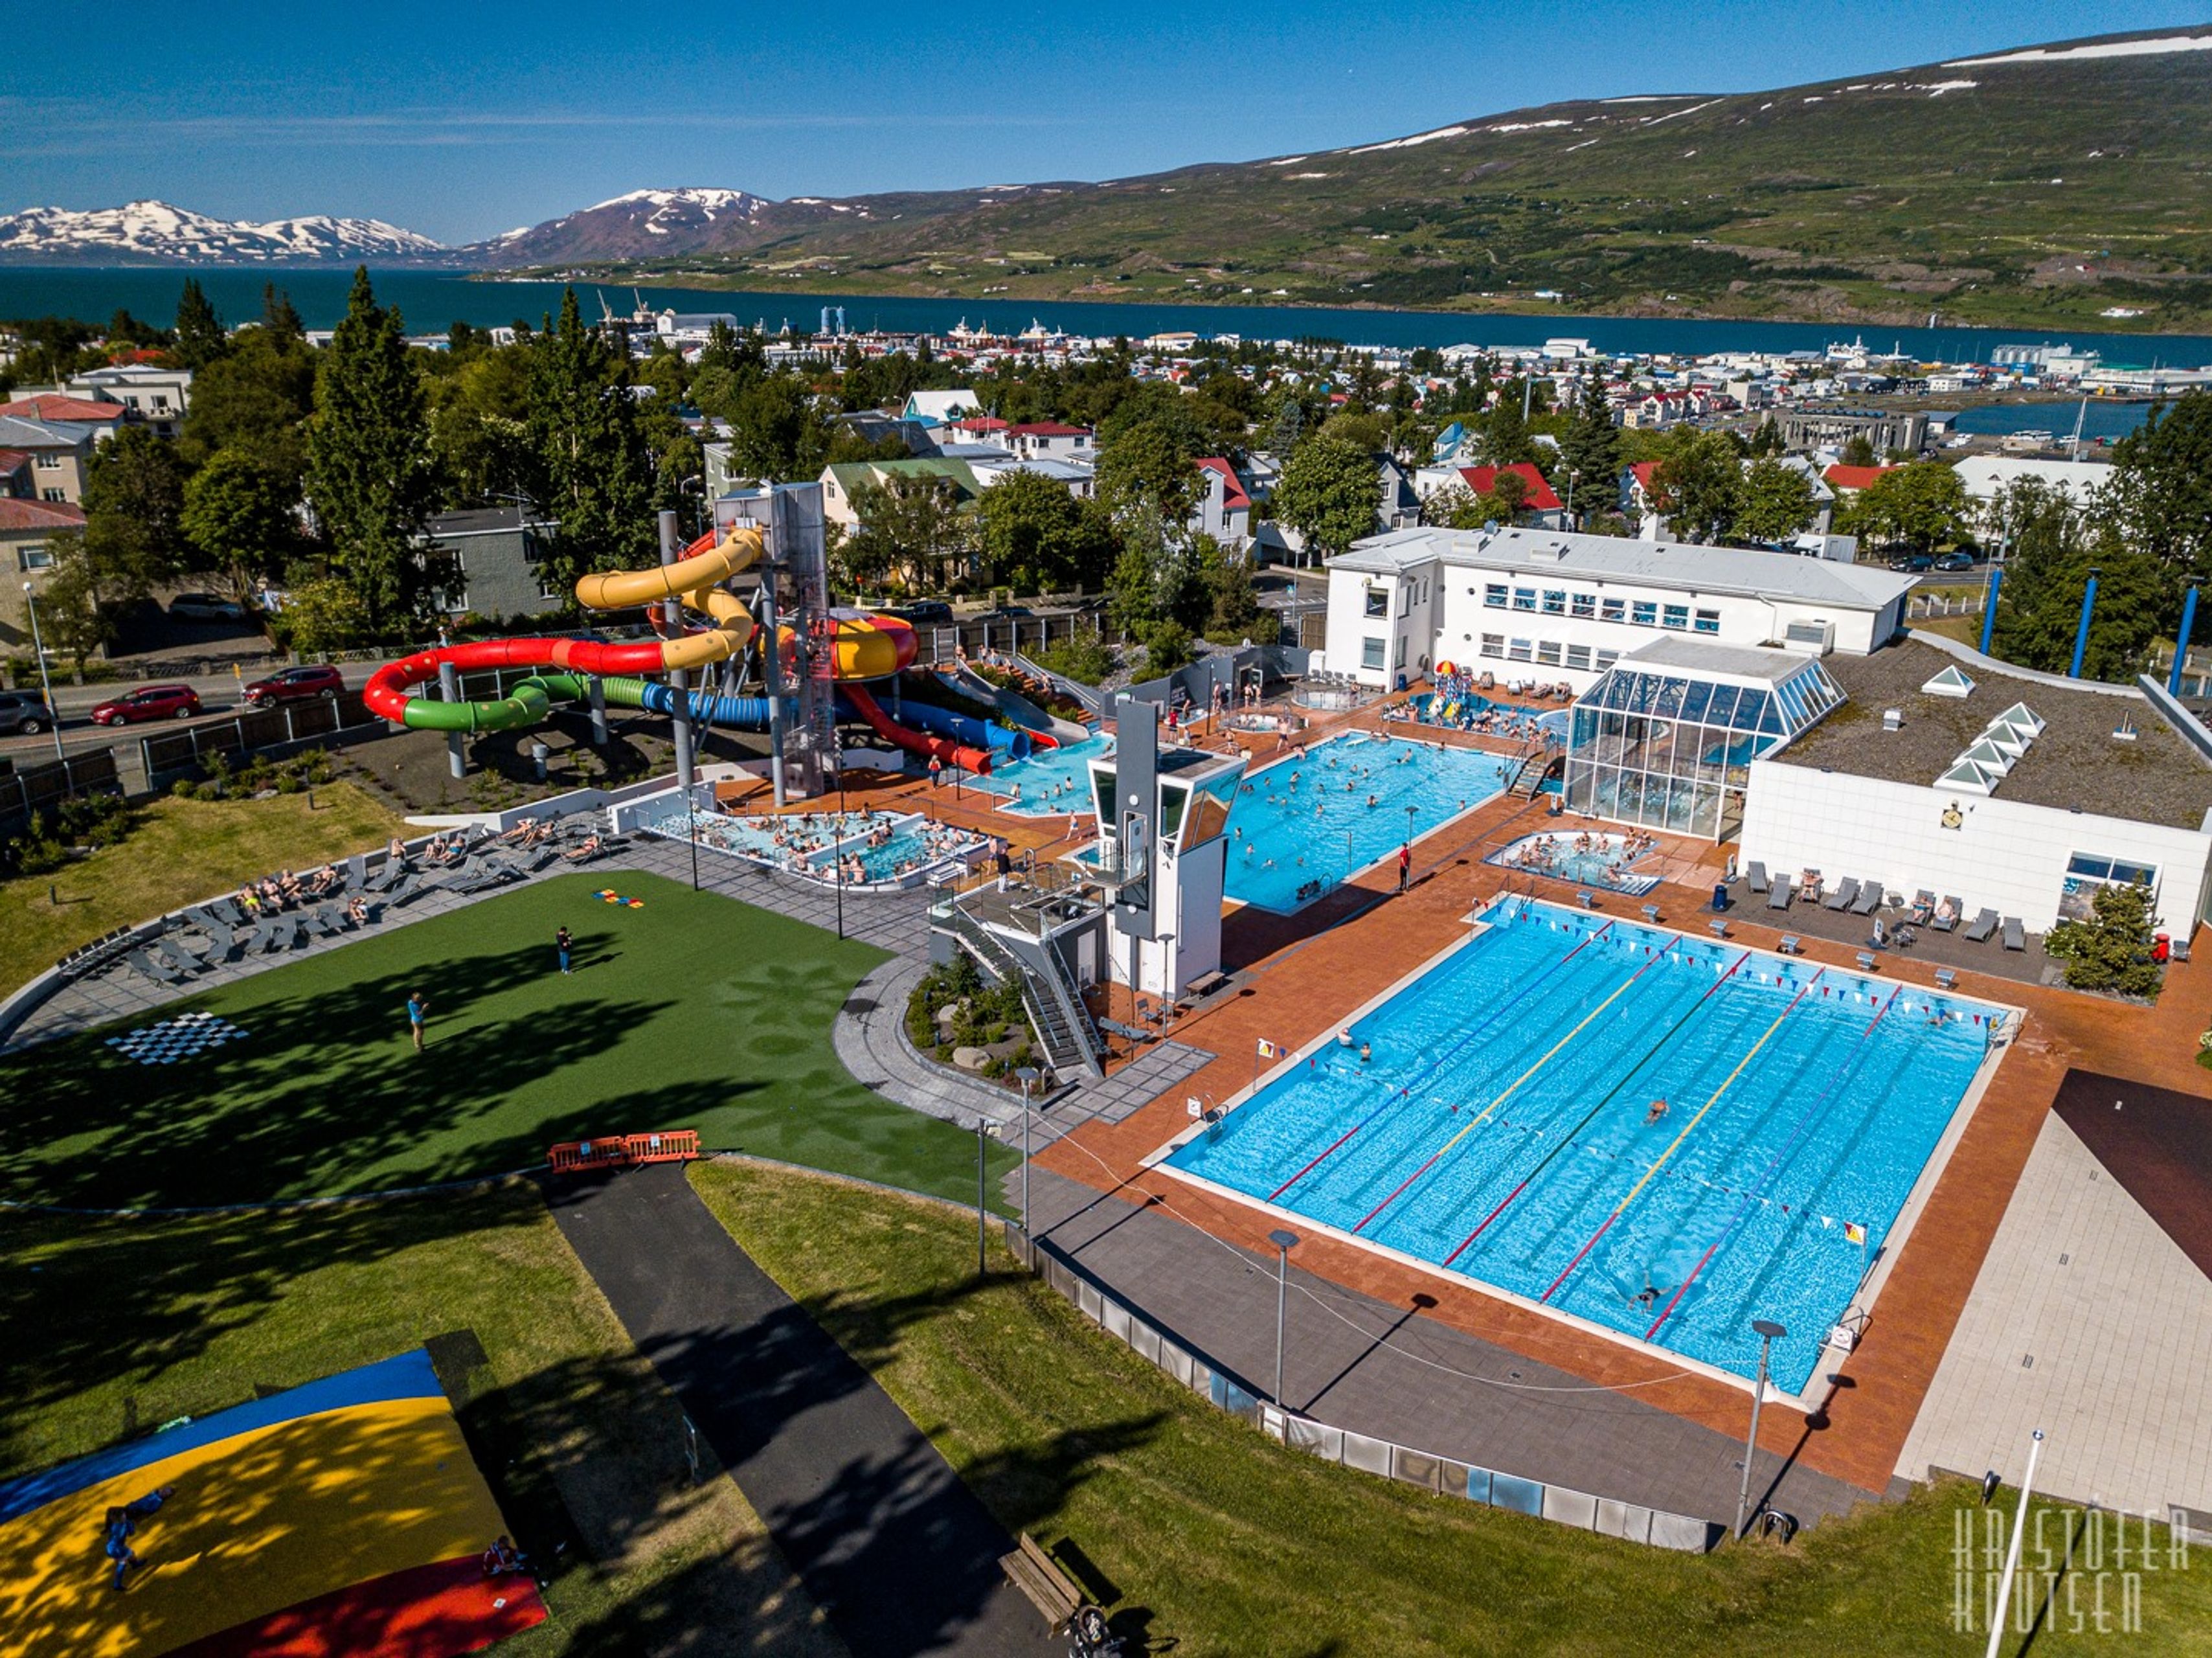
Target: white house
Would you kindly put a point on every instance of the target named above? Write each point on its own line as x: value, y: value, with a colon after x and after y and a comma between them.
x: 1051, y: 440
x: 1985, y: 476
x: 1080, y: 480
x: 1557, y: 607
x: 1223, y: 511
x: 940, y: 408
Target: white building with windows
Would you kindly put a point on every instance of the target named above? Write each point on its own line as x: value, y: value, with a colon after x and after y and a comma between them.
x: 1559, y: 608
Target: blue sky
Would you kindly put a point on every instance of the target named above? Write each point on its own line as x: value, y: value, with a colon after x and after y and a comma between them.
x: 467, y: 117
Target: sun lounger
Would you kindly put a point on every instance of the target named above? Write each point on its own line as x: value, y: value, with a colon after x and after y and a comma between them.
x: 1982, y: 926
x: 1947, y: 914
x: 1778, y: 898
x: 222, y: 940
x: 356, y: 873
x: 322, y: 923
x: 1758, y: 882
x: 406, y: 890
x: 390, y: 871
x: 2015, y: 937
x: 543, y: 856
x: 291, y: 933
x: 174, y: 952
x: 1870, y: 898
x: 160, y: 972
x: 1924, y: 907
x: 265, y: 930
x: 1845, y: 895
x: 226, y: 910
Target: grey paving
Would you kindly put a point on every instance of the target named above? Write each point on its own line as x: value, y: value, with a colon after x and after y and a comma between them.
x: 2087, y: 1321
x: 901, y: 1557
x: 1353, y: 1362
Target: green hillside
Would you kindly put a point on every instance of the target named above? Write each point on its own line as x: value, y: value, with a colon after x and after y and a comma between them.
x: 2052, y: 190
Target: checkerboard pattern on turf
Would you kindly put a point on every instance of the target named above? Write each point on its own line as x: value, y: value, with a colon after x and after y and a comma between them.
x: 185, y: 1037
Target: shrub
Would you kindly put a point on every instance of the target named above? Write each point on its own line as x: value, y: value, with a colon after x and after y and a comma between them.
x: 2110, y: 948
x: 1085, y: 657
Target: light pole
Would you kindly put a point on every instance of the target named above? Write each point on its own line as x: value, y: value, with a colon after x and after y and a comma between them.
x: 983, y: 1132
x: 691, y: 829
x: 1768, y: 1330
x: 1406, y: 865
x: 837, y: 864
x: 2012, y: 1550
x: 45, y: 683
x: 1285, y: 1240
x: 1029, y: 1076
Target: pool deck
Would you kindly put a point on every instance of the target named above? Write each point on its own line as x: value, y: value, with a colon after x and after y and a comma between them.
x: 1297, y: 975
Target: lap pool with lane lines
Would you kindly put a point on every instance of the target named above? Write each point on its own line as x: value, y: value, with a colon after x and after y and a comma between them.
x: 1504, y: 1128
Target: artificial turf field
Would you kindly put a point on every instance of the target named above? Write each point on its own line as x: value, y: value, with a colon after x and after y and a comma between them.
x: 691, y: 1011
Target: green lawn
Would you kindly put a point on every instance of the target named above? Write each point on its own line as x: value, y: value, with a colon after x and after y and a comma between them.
x: 181, y: 851
x: 116, y: 1326
x: 1200, y: 1532
x: 691, y: 1012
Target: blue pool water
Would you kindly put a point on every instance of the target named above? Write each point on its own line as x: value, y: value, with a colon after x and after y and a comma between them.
x: 1317, y: 829
x: 1502, y: 1123
x: 1040, y: 774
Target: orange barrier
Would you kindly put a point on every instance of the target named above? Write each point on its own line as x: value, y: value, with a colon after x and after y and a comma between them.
x: 625, y: 1150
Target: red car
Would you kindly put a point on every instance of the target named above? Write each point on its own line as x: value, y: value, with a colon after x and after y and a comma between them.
x: 155, y: 702
x: 296, y: 685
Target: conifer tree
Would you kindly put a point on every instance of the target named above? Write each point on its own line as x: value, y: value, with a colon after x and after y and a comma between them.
x: 594, y: 474
x: 200, y: 339
x: 370, y: 475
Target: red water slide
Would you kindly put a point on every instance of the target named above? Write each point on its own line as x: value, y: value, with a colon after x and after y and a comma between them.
x: 914, y: 742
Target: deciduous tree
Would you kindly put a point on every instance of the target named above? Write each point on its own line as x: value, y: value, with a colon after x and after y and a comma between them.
x: 239, y: 516
x: 1328, y: 492
x: 1777, y: 502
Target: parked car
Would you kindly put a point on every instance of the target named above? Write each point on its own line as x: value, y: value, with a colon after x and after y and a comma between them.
x: 1915, y: 565
x: 25, y: 711
x: 153, y: 702
x: 296, y: 685
x: 1956, y: 561
x: 206, y: 607
x: 929, y: 613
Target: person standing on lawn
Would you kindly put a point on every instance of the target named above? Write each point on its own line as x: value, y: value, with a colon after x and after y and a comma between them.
x: 418, y: 1011
x: 561, y: 945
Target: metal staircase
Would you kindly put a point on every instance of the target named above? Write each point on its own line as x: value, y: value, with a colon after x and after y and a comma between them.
x: 1056, y: 1013
x: 1529, y: 778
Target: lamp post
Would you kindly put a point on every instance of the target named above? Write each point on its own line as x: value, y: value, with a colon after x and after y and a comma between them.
x: 45, y: 683
x: 2012, y: 1550
x: 837, y: 864
x: 1029, y: 1076
x: 691, y: 829
x: 982, y: 1134
x: 1768, y: 1330
x: 1285, y: 1240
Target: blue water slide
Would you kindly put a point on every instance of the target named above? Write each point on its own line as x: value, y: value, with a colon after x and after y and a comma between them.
x: 740, y: 713
x: 962, y: 727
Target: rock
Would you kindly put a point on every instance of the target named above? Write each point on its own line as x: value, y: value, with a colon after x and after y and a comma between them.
x: 971, y: 1058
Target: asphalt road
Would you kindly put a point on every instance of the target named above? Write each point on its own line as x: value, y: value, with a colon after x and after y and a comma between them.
x: 219, y: 699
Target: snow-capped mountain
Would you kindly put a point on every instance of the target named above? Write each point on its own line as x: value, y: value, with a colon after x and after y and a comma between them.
x: 152, y: 230
x: 645, y: 223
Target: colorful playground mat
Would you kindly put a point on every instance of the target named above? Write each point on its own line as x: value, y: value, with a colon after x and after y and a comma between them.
x: 608, y: 895
x: 343, y: 1517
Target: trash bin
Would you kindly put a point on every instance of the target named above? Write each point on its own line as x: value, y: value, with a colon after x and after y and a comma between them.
x: 1401, y: 682
x: 1720, y: 896
x: 2161, y: 946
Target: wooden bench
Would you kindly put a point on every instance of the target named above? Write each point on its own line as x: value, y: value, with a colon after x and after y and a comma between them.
x: 1051, y: 1590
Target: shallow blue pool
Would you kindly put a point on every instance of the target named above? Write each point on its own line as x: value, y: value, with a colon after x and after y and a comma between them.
x: 1304, y: 822
x: 1045, y: 770
x: 1502, y: 1128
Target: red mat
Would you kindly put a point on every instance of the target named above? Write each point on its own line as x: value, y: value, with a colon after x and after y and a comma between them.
x: 430, y: 1612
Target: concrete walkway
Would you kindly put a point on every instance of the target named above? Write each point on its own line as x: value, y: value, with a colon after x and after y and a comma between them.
x: 1353, y: 1362
x: 2090, y: 1322
x: 900, y: 1556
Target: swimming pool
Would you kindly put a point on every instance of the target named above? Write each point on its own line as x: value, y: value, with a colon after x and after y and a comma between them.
x: 1045, y: 770
x: 1503, y: 1129
x: 1286, y: 835
x: 1601, y: 862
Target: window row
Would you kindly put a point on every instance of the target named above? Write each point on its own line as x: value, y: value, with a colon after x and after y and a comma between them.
x: 1549, y: 652
x: 1590, y: 607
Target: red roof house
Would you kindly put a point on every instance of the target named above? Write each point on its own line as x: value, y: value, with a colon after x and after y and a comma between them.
x: 1538, y: 497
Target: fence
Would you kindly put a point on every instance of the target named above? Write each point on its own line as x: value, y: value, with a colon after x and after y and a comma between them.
x: 168, y: 754
x: 1442, y: 1474
x: 1921, y: 605
x: 25, y: 790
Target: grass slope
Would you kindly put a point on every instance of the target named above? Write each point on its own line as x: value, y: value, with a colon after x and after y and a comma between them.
x: 1201, y: 1533
x: 691, y: 1012
x: 2042, y: 192
x: 181, y: 851
x: 116, y: 1326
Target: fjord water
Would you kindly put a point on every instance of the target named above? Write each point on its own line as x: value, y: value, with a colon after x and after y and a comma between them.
x: 432, y: 301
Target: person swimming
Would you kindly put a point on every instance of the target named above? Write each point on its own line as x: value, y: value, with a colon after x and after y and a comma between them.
x: 1657, y: 1111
